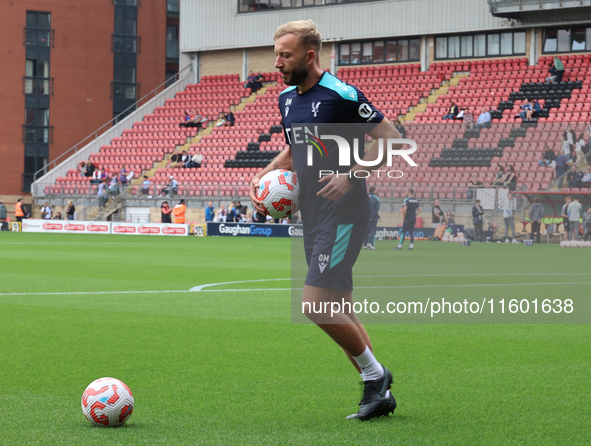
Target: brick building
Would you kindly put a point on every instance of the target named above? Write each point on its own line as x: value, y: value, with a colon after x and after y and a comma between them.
x: 69, y: 67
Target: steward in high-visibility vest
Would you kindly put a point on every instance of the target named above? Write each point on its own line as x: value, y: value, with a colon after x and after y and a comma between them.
x: 179, y: 212
x: 18, y: 210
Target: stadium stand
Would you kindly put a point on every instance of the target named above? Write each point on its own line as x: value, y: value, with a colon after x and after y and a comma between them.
x: 448, y: 154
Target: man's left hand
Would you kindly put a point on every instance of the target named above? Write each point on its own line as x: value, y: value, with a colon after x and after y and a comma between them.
x: 336, y: 188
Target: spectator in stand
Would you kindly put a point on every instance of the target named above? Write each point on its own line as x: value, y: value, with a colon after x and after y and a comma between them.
x: 460, y: 115
x: 437, y: 217
x: 209, y: 212
x: 400, y: 128
x: 46, y: 211
x: 561, y: 167
x: 511, y: 178
x: 564, y: 214
x: 187, y: 120
x: 586, y: 180
x: 578, y: 179
x: 250, y: 82
x: 477, y: 213
x: 258, y: 81
x: 453, y: 112
x: 570, y: 176
x: 473, y: 184
x: 526, y: 107
x: 90, y: 167
x: 559, y: 66
x: 259, y: 217
x: 570, y: 135
x: 58, y: 216
x: 535, y: 112
x: 508, y: 216
x: 165, y: 212
x: 586, y: 223
x: 114, y: 185
x: 228, y: 118
x: 238, y: 208
x: 484, y: 119
x: 468, y: 119
x: 196, y: 161
x: 102, y: 195
x: 175, y: 160
x: 580, y: 155
x: 536, y: 213
x: 146, y: 186
x: 19, y: 212
x: 221, y: 214
x: 449, y: 218
x: 547, y: 157
x: 499, y: 177
x: 71, y: 211
x: 123, y: 176
x: 574, y: 215
x: 97, y: 176
x: 552, y: 70
x: 243, y: 217
x: 185, y: 158
x: 565, y: 147
x: 171, y: 189
x: 82, y: 169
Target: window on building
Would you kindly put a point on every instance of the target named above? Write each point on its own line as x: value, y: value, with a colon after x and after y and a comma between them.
x: 565, y: 40
x: 344, y: 56
x: 378, y: 51
x: 494, y: 48
x: 265, y: 5
x: 414, y: 49
x: 550, y: 41
x: 402, y: 50
x: 355, y: 53
x: 588, y: 39
x: 578, y: 43
x: 172, y: 32
x: 441, y: 48
x: 126, y: 21
x: 30, y: 116
x: 391, y: 51
x: 480, y: 45
x: 519, y: 43
x: 453, y: 47
x: 367, y: 56
x: 466, y: 46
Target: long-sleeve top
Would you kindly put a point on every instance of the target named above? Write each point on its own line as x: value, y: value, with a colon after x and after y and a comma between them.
x: 536, y: 212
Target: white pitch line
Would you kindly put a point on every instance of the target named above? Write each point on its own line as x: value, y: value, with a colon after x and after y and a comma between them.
x: 292, y: 289
x: 200, y: 287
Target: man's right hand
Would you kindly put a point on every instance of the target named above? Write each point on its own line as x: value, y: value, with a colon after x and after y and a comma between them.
x: 258, y: 205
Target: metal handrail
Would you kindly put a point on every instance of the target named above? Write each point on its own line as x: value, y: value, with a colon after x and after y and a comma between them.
x: 104, y: 127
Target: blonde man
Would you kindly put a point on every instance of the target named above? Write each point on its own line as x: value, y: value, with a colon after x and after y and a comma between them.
x: 335, y: 210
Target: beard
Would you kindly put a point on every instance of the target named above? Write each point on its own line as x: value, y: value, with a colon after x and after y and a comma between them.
x: 298, y: 74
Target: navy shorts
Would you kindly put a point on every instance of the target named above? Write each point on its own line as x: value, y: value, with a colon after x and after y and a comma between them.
x: 331, y: 252
x: 409, y: 226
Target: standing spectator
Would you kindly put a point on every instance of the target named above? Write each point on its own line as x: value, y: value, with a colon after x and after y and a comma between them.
x: 238, y: 208
x: 19, y: 212
x: 564, y: 214
x: 437, y: 214
x: 536, y: 213
x: 209, y: 212
x: 484, y: 119
x: 46, y: 211
x: 243, y: 217
x: 374, y: 208
x: 570, y: 136
x: 473, y: 184
x: 453, y: 112
x: 468, y: 119
x: 165, y: 212
x: 547, y: 157
x: 508, y: 216
x: 400, y: 128
x: 574, y: 215
x: 3, y: 216
x: 586, y: 223
x: 179, y: 212
x: 259, y: 217
x: 511, y: 178
x: 231, y: 213
x: 58, y: 216
x: 579, y: 153
x: 71, y: 211
x: 559, y: 66
x: 221, y: 214
x: 146, y: 186
x: 500, y: 177
x: 561, y: 167
x: 102, y: 195
x: 114, y: 185
x: 123, y: 176
x: 449, y: 219
x: 477, y: 213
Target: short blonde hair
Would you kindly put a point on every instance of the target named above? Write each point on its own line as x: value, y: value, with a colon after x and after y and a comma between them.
x: 306, y: 31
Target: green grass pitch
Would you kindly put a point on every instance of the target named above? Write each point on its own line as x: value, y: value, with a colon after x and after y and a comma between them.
x: 230, y: 368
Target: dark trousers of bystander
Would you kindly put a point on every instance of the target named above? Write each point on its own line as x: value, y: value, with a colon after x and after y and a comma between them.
x: 478, y: 232
x: 535, y: 229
